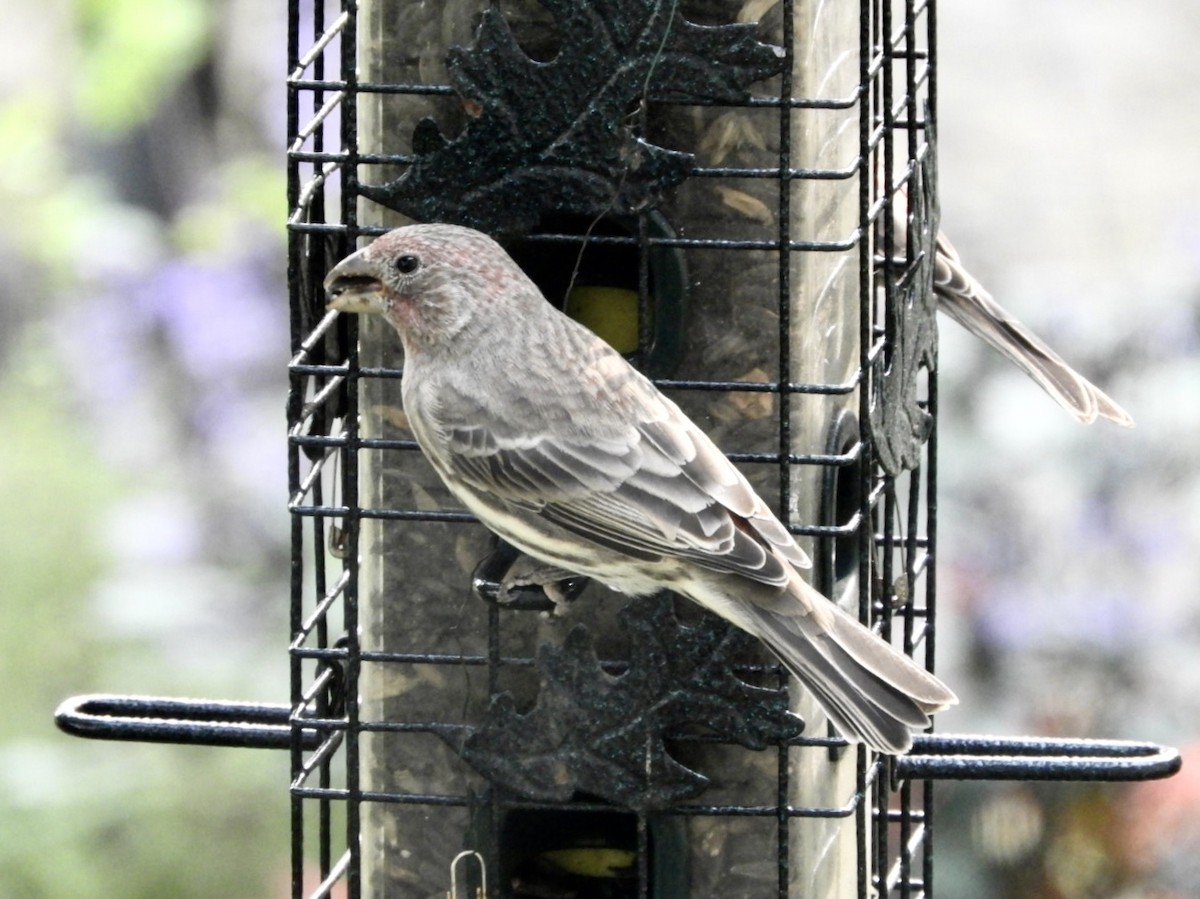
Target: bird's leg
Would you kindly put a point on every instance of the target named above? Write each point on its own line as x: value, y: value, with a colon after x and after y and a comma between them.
x: 559, y: 585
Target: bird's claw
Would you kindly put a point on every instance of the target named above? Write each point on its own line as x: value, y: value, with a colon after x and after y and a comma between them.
x: 559, y: 586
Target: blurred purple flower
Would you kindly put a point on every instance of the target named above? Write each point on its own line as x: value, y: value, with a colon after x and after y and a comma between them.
x: 181, y: 372
x: 223, y: 321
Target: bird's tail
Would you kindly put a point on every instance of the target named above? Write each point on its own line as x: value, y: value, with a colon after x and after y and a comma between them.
x: 871, y: 692
x: 966, y: 301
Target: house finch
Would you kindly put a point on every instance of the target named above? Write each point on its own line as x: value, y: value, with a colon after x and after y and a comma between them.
x: 561, y: 447
x: 964, y: 299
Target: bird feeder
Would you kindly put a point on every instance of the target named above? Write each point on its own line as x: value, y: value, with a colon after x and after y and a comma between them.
x: 716, y: 189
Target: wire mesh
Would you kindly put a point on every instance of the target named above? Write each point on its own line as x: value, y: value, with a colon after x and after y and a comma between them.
x: 382, y: 805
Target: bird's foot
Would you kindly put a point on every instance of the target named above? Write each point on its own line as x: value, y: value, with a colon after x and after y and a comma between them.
x: 559, y: 585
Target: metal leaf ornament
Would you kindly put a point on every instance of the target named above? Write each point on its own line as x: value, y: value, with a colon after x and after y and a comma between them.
x: 900, y: 425
x: 555, y: 136
x: 601, y: 734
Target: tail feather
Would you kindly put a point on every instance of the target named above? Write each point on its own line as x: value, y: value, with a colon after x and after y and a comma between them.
x: 966, y: 301
x: 871, y: 692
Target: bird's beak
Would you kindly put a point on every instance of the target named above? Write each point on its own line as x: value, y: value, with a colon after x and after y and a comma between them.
x: 354, y: 286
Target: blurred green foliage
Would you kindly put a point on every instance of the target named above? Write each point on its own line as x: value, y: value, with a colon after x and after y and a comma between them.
x: 132, y: 52
x: 87, y: 819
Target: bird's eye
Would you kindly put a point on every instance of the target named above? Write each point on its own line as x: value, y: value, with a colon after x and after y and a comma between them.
x: 407, y: 264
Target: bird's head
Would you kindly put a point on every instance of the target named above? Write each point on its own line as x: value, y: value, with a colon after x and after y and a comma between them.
x: 432, y: 283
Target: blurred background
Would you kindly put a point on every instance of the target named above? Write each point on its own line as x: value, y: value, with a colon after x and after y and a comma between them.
x: 143, y: 345
x: 1069, y: 564
x: 143, y: 352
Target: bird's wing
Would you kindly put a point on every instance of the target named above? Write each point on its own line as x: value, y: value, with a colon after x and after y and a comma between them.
x: 652, y: 485
x: 962, y: 298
